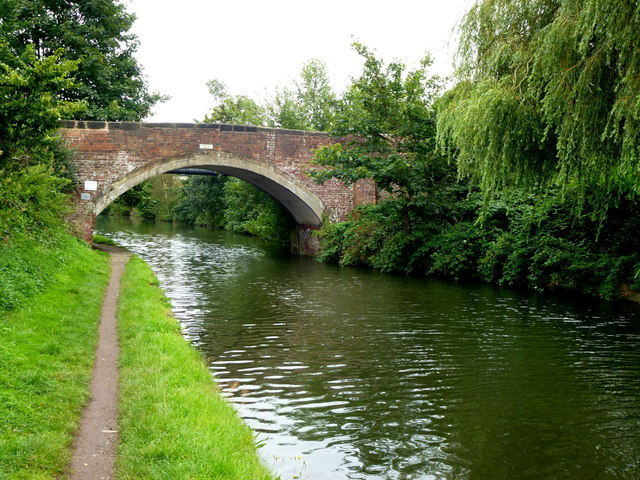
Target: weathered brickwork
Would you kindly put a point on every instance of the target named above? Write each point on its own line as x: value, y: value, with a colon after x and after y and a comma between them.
x: 118, y: 155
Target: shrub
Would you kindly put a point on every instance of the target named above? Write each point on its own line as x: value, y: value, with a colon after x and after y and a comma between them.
x: 516, y: 241
x: 31, y: 204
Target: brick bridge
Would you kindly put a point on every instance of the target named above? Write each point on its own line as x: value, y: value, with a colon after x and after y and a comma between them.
x: 113, y: 157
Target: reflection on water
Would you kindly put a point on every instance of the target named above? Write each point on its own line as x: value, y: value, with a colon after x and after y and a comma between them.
x: 353, y: 374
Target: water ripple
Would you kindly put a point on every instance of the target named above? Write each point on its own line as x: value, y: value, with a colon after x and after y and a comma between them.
x: 351, y: 374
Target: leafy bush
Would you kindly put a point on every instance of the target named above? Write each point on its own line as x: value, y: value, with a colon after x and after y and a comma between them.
x: 332, y: 237
x: 250, y: 210
x: 31, y: 204
x: 373, y: 237
x: 136, y: 201
x: 201, y: 201
x: 516, y: 241
x: 458, y: 249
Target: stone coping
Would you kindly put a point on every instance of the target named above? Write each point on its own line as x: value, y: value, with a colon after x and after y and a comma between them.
x: 99, y: 125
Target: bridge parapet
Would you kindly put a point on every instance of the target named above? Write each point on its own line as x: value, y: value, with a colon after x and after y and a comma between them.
x: 103, y: 125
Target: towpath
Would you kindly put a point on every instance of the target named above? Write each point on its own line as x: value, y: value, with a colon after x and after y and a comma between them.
x: 94, y: 449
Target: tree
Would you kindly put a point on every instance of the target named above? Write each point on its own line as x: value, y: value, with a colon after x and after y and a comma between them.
x: 310, y: 105
x: 250, y: 210
x: 238, y: 109
x: 31, y: 105
x: 307, y: 106
x: 165, y: 190
x: 202, y: 201
x: 547, y: 95
x: 93, y: 33
x: 388, y: 120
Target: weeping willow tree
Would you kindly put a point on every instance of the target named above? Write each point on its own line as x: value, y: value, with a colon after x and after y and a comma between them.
x: 548, y: 94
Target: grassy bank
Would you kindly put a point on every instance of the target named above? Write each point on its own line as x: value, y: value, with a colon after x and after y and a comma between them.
x: 47, y: 348
x: 28, y: 265
x: 173, y: 422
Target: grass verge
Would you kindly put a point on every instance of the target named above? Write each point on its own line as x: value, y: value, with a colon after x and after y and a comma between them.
x: 47, y: 350
x: 103, y: 240
x: 28, y: 266
x: 173, y: 422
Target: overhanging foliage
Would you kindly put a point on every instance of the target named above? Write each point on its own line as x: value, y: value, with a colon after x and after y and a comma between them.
x: 548, y: 95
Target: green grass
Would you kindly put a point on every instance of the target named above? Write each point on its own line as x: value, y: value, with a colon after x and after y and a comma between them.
x: 103, y: 240
x: 173, y: 422
x: 29, y: 265
x: 47, y: 350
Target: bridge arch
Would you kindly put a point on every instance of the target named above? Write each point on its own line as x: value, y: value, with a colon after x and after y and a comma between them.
x: 304, y: 205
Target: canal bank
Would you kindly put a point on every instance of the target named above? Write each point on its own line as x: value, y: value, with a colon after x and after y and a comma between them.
x: 173, y: 422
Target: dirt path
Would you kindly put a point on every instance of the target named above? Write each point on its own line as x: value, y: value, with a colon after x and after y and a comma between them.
x: 94, y: 449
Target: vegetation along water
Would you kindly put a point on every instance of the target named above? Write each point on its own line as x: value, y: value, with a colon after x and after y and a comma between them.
x: 354, y: 374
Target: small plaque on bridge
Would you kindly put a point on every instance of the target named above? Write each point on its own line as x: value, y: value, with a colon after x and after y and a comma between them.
x: 206, y: 146
x: 85, y: 196
x: 91, y: 185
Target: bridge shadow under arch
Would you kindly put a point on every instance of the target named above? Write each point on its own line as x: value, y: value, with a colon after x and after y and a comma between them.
x: 304, y: 205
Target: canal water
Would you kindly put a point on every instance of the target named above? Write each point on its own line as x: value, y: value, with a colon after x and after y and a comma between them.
x: 352, y: 374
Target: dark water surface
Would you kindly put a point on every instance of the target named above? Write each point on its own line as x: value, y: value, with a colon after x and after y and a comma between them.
x: 353, y: 374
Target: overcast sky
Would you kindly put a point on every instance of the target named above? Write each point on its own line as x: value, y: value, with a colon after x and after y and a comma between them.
x: 254, y: 45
